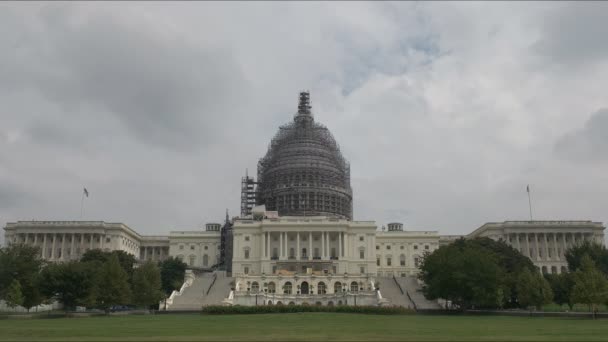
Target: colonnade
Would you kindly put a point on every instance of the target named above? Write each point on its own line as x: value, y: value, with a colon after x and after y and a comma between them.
x: 546, y: 245
x: 305, y: 247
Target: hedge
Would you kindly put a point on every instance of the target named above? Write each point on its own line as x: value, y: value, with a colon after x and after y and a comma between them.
x: 266, y: 309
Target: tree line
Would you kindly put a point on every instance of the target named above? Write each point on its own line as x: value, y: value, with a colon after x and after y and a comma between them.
x: 98, y: 280
x: 483, y: 273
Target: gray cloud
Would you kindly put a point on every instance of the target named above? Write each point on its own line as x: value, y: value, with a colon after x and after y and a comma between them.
x: 159, y: 108
x: 573, y: 33
x: 589, y: 143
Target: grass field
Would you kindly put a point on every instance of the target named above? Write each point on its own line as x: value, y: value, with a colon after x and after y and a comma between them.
x: 304, y: 327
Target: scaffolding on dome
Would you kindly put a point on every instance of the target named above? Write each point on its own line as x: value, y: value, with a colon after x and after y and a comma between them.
x: 304, y: 173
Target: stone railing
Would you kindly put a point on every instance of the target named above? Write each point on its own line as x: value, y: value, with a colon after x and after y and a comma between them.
x: 188, y: 280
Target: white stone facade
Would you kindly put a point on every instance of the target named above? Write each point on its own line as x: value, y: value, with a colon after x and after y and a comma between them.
x: 544, y: 242
x: 304, y: 260
x: 69, y: 240
x: 294, y: 244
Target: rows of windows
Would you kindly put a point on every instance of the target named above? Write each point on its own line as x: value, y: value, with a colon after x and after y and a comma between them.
x: 388, y: 247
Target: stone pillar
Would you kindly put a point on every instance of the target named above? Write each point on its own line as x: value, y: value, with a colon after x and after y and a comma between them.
x: 518, y: 242
x: 340, y: 234
x: 298, y: 252
x: 557, y: 257
x: 528, y: 245
x: 91, y: 241
x: 101, y: 238
x: 263, y: 245
x: 72, y: 238
x: 536, y: 246
x: 53, y: 246
x: 564, y: 247
x: 280, y: 246
x: 44, y: 247
x: 268, y: 245
x: 63, y: 247
x: 546, y: 246
x: 309, y: 245
x: 322, y: 245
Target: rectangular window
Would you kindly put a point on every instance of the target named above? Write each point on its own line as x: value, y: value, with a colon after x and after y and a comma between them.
x: 246, y: 238
x: 361, y: 254
x: 388, y: 261
x: 360, y: 238
x: 362, y: 270
x: 377, y: 261
x: 415, y: 246
x: 246, y: 254
x: 107, y: 240
x: 388, y: 246
x: 426, y: 247
x: 191, y: 247
x: 402, y: 262
x: 401, y: 247
x: 246, y: 269
x: 377, y: 247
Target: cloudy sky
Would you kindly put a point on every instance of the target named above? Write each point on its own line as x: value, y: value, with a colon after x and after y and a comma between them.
x: 445, y: 110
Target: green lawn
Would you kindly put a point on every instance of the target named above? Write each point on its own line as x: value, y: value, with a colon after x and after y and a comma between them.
x: 304, y: 327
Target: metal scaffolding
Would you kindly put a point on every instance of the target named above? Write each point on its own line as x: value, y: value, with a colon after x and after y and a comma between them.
x: 304, y: 172
x: 248, y: 194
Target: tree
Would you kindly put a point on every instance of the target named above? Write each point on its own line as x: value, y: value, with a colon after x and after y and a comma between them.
x: 561, y: 285
x: 172, y: 272
x: 533, y: 289
x: 22, y: 263
x: 99, y: 257
x: 147, y: 285
x: 72, y: 283
x: 14, y: 297
x: 597, y: 252
x: 112, y: 284
x: 464, y: 273
x: 590, y: 285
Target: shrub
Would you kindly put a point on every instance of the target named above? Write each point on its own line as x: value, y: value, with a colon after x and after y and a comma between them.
x: 267, y: 309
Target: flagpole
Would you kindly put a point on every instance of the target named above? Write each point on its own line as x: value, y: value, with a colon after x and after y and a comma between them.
x: 529, y: 202
x: 81, y: 205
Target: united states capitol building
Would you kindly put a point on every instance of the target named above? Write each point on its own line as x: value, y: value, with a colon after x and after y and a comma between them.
x: 295, y: 240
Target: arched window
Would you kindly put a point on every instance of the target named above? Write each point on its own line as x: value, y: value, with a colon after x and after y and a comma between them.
x: 192, y: 259
x: 553, y: 269
x: 304, y: 288
x: 354, y: 287
x: 362, y: 253
x: 287, y: 288
x: 337, y: 287
x: 205, y: 260
x: 255, y: 287
x: 180, y: 257
x: 321, y: 288
x: 402, y: 260
x: 544, y: 269
x: 271, y: 287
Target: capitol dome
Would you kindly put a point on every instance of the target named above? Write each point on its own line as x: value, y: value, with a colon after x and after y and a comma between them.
x: 304, y: 172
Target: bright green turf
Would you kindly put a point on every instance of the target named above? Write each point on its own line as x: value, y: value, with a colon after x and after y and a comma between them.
x: 304, y: 326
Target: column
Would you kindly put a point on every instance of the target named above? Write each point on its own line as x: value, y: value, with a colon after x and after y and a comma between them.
x: 280, y: 245
x: 44, y: 247
x: 536, y: 246
x: 546, y: 246
x: 91, y: 241
x: 298, y: 252
x: 557, y: 257
x: 263, y: 245
x: 268, y: 244
x: 63, y: 247
x: 73, y: 237
x: 53, y: 246
x: 101, y: 238
x: 528, y: 245
x: 518, y: 242
x: 309, y: 245
x: 340, y: 245
x: 322, y: 245
x: 564, y: 247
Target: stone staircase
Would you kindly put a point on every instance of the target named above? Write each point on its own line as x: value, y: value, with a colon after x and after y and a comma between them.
x: 411, y: 286
x: 391, y: 291
x: 218, y: 291
x: 193, y: 296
